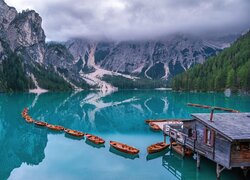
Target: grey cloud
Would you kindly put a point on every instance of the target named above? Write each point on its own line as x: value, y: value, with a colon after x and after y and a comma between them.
x: 137, y: 19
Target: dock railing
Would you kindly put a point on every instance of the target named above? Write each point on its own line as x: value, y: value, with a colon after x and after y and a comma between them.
x: 176, y: 135
x: 179, y: 137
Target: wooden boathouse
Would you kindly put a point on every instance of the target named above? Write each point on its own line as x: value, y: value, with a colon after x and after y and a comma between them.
x: 222, y: 137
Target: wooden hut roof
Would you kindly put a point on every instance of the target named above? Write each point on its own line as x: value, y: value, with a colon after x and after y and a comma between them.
x: 235, y: 126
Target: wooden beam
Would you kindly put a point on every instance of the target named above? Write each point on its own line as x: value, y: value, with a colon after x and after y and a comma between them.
x: 215, y: 108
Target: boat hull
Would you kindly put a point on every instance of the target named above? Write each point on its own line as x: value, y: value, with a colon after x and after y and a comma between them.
x: 40, y: 123
x: 95, y: 139
x: 158, y: 147
x: 55, y: 127
x: 28, y: 119
x: 74, y: 133
x: 124, y: 148
x: 180, y: 150
x: 154, y: 126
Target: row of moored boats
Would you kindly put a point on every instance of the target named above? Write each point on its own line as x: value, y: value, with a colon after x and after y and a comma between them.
x: 94, y: 139
x: 158, y: 147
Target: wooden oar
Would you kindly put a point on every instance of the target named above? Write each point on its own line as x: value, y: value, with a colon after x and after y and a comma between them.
x: 213, y: 107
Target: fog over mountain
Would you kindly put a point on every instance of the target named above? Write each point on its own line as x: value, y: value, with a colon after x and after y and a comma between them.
x: 137, y: 19
x: 113, y: 44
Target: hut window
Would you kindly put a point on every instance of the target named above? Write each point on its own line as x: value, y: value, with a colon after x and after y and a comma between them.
x: 192, y: 133
x: 208, y: 137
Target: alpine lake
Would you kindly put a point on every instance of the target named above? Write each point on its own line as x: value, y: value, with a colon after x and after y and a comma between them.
x: 30, y: 152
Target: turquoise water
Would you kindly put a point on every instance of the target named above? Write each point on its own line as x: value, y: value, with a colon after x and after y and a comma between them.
x: 28, y: 152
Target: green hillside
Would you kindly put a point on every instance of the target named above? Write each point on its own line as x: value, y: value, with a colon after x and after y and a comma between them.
x: 229, y: 69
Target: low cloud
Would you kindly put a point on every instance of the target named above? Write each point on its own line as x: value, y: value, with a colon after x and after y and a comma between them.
x: 137, y: 19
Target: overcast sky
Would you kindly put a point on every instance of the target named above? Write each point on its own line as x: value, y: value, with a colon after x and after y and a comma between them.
x: 137, y: 19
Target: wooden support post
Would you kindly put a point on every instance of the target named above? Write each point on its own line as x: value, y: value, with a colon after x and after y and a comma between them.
x: 219, y: 169
x: 245, y: 170
x: 171, y: 141
x: 198, y: 161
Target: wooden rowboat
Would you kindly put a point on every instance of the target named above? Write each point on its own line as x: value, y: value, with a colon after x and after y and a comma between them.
x: 25, y: 111
x: 55, y: 127
x: 40, y: 123
x: 158, y: 147
x: 124, y: 148
x: 74, y: 132
x: 28, y: 119
x: 154, y: 126
x: 188, y: 152
x: 24, y: 115
x: 174, y: 143
x: 95, y: 139
x: 180, y: 150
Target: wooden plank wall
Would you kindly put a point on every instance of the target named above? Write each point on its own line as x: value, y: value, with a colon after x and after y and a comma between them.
x: 240, y: 157
x: 222, y: 148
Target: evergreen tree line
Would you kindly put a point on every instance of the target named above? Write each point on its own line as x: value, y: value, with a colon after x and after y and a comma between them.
x: 13, y: 76
x: 125, y: 83
x: 48, y: 79
x: 229, y: 69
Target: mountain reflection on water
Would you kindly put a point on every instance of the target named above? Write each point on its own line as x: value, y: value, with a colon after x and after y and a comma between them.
x: 122, y: 112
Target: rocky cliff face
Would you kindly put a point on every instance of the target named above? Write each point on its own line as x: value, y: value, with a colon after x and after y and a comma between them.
x: 155, y: 59
x: 22, y: 52
x: 8, y: 14
x: 159, y: 59
x: 26, y: 34
x: 22, y: 32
